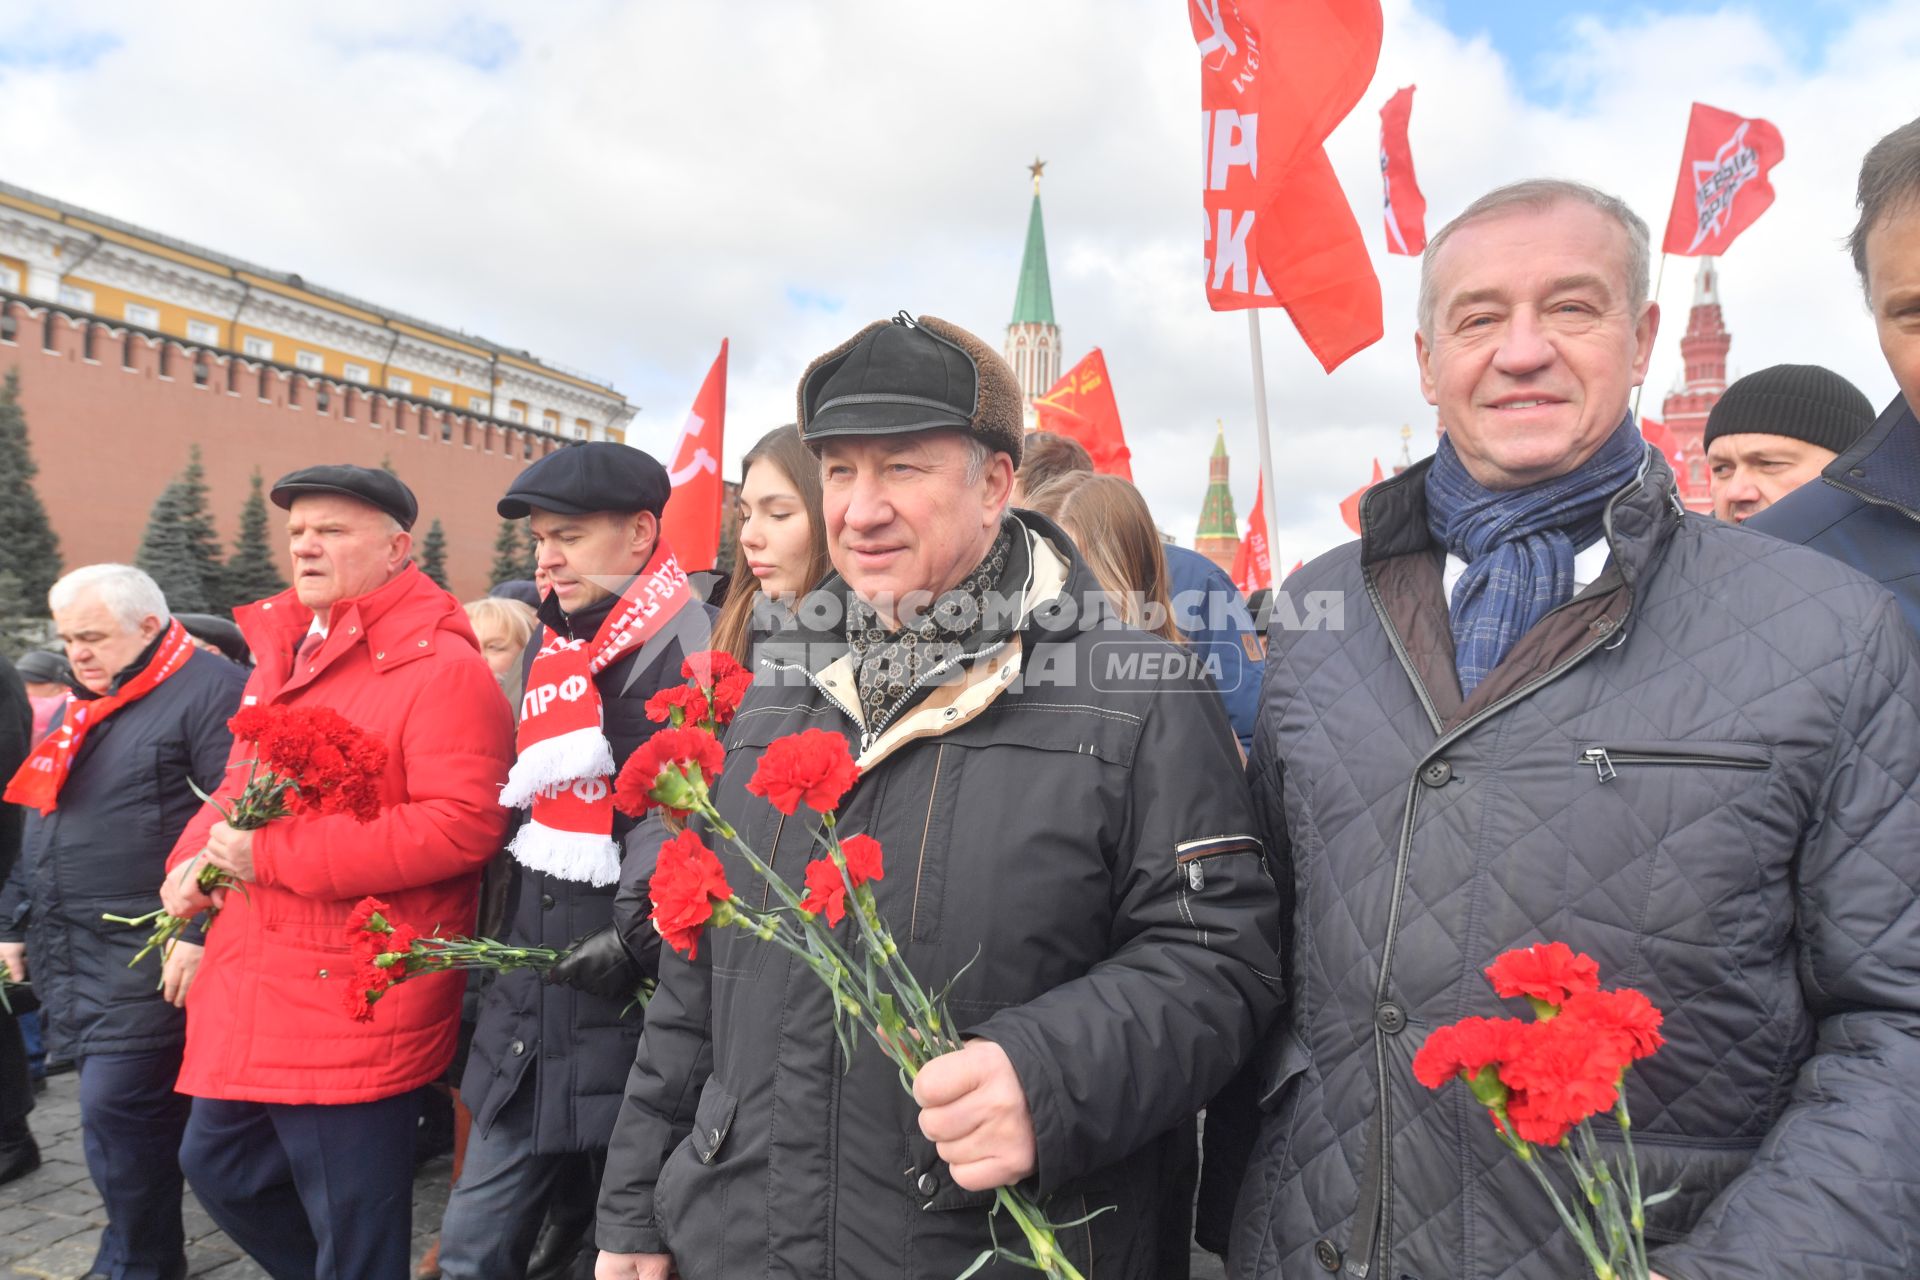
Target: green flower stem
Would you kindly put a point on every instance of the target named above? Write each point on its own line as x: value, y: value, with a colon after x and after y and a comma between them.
x: 1636, y: 1204
x: 1609, y: 1210
x: 909, y: 1008
x: 1576, y: 1224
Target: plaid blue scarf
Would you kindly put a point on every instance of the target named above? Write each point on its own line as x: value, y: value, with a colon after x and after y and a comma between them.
x: 1518, y: 544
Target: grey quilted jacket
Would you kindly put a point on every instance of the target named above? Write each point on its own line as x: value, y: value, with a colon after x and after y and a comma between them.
x: 1701, y: 771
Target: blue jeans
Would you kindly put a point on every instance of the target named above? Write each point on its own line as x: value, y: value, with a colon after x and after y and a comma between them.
x: 131, y: 1122
x: 493, y: 1216
x: 311, y: 1192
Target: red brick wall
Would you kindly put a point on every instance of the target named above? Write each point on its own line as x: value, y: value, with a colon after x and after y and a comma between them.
x: 108, y: 438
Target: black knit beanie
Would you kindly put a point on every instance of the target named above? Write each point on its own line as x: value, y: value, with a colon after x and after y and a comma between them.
x: 1802, y: 401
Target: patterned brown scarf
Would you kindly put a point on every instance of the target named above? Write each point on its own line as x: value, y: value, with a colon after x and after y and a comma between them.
x: 889, y: 666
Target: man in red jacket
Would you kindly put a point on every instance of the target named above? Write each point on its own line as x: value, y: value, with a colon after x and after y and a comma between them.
x: 301, y: 1140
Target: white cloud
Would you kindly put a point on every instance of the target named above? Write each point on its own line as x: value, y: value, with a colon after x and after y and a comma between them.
x: 617, y: 187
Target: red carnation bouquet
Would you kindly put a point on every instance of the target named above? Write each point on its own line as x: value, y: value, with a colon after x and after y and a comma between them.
x: 1543, y: 1081
x: 873, y: 989
x: 387, y: 952
x: 306, y: 760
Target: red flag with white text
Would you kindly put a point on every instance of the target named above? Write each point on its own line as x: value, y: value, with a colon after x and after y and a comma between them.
x: 1276, y: 76
x: 1723, y: 183
x: 1252, y: 564
x: 691, y: 521
x: 1405, y: 208
x: 1350, y: 505
x: 1081, y: 405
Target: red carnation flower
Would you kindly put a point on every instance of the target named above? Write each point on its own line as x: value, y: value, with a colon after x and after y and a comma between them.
x: 687, y: 881
x: 315, y: 759
x: 826, y: 891
x: 361, y: 918
x: 670, y: 770
x: 863, y: 859
x: 1465, y: 1048
x: 1560, y: 1074
x: 684, y: 698
x: 812, y: 767
x: 723, y: 682
x: 1626, y: 1020
x: 1548, y: 972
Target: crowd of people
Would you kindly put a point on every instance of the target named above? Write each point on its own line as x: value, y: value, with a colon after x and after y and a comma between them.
x: 1181, y: 868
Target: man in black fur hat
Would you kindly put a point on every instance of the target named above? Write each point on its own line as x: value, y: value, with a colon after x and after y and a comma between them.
x: 1109, y: 940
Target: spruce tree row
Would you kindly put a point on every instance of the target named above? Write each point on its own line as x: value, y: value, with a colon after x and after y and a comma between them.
x: 29, y: 551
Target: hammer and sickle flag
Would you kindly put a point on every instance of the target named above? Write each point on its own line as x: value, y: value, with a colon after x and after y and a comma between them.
x: 691, y: 521
x: 1081, y: 405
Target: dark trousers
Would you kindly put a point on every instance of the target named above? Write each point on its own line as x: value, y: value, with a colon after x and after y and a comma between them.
x: 310, y: 1192
x: 506, y: 1190
x: 131, y: 1121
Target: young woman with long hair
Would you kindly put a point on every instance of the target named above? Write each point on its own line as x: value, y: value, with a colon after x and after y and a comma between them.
x: 782, y: 544
x: 1109, y: 522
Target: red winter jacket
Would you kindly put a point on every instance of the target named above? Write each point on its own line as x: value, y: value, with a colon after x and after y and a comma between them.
x: 266, y: 1016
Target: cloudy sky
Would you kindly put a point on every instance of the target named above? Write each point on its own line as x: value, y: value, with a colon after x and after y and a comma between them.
x: 618, y: 186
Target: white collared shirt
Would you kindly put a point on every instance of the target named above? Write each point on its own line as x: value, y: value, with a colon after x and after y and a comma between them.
x: 1588, y: 564
x: 317, y: 630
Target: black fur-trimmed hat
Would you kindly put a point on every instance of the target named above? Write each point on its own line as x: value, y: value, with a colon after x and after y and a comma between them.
x: 905, y: 375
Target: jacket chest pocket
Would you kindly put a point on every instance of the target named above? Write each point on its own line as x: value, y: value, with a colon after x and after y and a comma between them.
x: 1607, y: 759
x: 1642, y: 814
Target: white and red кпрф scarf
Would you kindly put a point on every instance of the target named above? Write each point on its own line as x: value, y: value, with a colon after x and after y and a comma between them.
x: 564, y: 764
x: 38, y: 782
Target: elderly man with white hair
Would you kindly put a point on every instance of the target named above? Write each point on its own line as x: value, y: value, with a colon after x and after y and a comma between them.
x: 107, y: 792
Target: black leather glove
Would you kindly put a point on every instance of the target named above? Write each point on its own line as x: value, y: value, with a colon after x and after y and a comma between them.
x: 600, y: 965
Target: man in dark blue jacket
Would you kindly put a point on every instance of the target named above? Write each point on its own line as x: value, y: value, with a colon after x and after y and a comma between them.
x: 1866, y: 508
x: 110, y: 789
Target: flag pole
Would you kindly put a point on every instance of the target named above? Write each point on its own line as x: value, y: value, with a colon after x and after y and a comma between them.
x: 1260, y: 418
x: 1659, y: 275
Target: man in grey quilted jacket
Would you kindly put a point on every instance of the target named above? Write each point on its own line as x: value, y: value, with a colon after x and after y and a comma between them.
x: 1560, y: 708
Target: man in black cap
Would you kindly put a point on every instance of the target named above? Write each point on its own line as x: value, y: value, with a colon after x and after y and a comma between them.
x: 1775, y: 430
x: 549, y: 1058
x: 300, y: 1144
x: 1069, y: 844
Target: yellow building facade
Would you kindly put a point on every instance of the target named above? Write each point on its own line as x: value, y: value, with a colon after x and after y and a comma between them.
x: 51, y: 251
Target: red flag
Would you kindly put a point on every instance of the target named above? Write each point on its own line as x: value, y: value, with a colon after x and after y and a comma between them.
x: 1275, y: 77
x: 1661, y: 437
x: 1252, y: 566
x: 1350, y: 505
x: 1081, y: 405
x: 1406, y: 208
x: 691, y: 522
x: 1723, y: 183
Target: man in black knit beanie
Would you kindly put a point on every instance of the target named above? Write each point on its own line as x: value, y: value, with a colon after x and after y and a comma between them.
x: 1777, y: 429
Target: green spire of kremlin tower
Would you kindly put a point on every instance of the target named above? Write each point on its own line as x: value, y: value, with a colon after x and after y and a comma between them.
x: 1033, y: 300
x: 1216, y: 510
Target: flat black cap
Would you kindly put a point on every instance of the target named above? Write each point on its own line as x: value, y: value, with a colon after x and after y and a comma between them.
x: 596, y: 476
x: 43, y: 667
x: 376, y: 488
x: 219, y: 633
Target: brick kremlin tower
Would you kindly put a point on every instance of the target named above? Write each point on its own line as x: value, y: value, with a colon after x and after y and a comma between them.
x: 1033, y: 339
x: 1218, y: 538
x: 1703, y: 379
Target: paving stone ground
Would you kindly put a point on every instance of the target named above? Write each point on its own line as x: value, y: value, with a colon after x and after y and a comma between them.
x: 50, y: 1220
